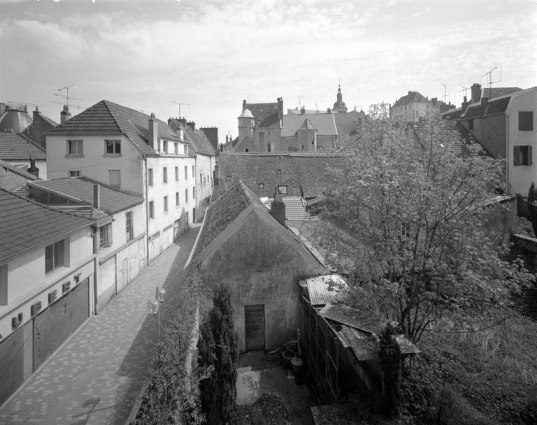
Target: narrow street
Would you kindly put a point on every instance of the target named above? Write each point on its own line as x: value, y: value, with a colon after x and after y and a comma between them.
x: 96, y: 376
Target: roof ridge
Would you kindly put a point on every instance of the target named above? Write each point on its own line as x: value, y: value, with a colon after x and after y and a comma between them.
x: 112, y: 114
x: 32, y: 142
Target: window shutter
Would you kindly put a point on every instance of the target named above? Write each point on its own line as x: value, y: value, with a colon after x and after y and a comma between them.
x: 530, y: 155
x: 109, y: 230
x: 516, y: 155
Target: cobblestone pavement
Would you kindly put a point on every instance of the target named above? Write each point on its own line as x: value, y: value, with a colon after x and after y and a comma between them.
x: 97, y: 375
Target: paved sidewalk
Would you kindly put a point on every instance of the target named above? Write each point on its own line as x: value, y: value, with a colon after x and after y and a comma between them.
x: 97, y: 375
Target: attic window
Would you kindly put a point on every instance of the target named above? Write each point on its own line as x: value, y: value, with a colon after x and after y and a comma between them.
x: 279, y: 172
x: 282, y: 190
x: 261, y: 185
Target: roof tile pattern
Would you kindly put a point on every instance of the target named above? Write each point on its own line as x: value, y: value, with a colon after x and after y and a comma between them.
x: 108, y: 118
x: 200, y: 141
x: 411, y: 97
x: 304, y: 174
x: 81, y: 188
x: 25, y: 225
x: 16, y: 147
x: 267, y: 113
x: 325, y: 124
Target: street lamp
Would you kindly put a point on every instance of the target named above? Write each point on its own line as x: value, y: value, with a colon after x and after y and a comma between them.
x: 153, y: 305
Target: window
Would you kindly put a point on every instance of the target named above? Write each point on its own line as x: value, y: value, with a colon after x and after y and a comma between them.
x: 184, y: 149
x: 193, y: 174
x: 128, y: 225
x: 201, y: 178
x: 282, y: 190
x: 522, y: 155
x: 261, y: 185
x: 105, y: 235
x: 54, y: 256
x: 114, y: 177
x: 74, y: 148
x: 176, y: 174
x: 186, y: 172
x: 112, y: 147
x: 302, y: 147
x: 193, y: 194
x: 186, y: 196
x: 177, y: 199
x: 525, y: 121
x: 74, y: 173
x: 176, y: 148
x: 164, y: 146
x: 165, y: 174
x: 246, y: 150
x: 151, y: 209
x: 471, y: 124
x: 3, y: 284
x: 150, y: 177
x: 165, y: 204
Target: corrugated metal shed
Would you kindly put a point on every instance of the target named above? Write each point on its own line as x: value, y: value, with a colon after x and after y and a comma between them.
x: 351, y: 316
x: 323, y: 289
x: 364, y: 345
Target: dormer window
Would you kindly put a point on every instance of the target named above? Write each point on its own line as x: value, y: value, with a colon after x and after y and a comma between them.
x: 165, y: 146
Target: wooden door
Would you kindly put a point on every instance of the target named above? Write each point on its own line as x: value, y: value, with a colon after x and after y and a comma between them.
x: 254, y: 325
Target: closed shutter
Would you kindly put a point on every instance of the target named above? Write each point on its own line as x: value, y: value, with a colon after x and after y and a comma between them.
x: 530, y: 155
x: 516, y: 155
x: 254, y: 318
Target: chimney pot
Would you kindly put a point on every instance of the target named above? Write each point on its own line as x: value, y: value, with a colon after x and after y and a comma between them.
x: 97, y: 196
x: 476, y: 92
x: 278, y: 209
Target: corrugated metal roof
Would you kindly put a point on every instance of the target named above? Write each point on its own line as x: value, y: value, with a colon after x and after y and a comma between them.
x: 351, y: 316
x: 324, y: 289
x: 364, y: 345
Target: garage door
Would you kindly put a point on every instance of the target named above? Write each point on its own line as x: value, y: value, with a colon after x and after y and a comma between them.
x: 59, y: 321
x: 254, y: 317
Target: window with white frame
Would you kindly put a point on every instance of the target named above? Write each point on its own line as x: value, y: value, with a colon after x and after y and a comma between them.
x: 114, y: 177
x: 176, y: 148
x: 177, y: 199
x: 112, y: 147
x: 165, y: 146
x: 74, y: 173
x: 165, y: 204
x: 165, y: 174
x: 75, y: 148
x: 105, y: 235
x: 55, y: 256
x: 150, y: 178
x: 522, y: 155
x: 176, y: 174
x: 186, y: 172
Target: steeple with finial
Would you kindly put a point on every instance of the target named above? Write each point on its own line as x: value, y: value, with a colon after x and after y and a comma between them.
x: 339, y: 106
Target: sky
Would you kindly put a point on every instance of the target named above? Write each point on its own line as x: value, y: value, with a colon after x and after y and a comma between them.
x: 210, y: 55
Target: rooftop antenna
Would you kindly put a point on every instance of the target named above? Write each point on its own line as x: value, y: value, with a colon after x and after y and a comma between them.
x: 58, y: 103
x: 300, y: 101
x: 248, y: 98
x: 446, y: 94
x: 489, y: 77
x: 59, y: 93
x: 464, y: 89
x: 20, y: 104
x: 179, y: 106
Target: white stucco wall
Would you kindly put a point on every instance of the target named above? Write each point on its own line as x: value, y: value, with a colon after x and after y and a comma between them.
x: 520, y: 177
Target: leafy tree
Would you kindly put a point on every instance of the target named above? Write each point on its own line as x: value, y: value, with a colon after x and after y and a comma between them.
x: 218, y: 348
x: 532, y: 207
x: 390, y: 362
x: 408, y: 222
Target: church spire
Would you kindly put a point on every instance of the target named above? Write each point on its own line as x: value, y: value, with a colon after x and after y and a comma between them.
x: 339, y: 106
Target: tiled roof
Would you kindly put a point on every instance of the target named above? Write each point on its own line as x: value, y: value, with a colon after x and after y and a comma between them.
x: 453, y: 114
x: 81, y: 189
x: 8, y: 167
x: 324, y: 289
x: 498, y: 106
x: 323, y: 123
x: 411, y: 97
x: 444, y: 135
x: 17, y: 147
x: 346, y: 123
x: 492, y: 92
x: 494, y: 107
x: 266, y: 112
x: 304, y: 174
x: 473, y: 111
x: 108, y: 118
x: 25, y: 225
x: 223, y: 211
x: 200, y: 141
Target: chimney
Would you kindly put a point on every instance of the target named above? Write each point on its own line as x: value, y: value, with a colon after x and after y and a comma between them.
x: 484, y: 104
x: 465, y: 104
x: 33, y: 169
x: 191, y: 124
x: 243, y: 105
x: 476, y: 92
x: 278, y: 209
x: 153, y: 133
x: 303, y: 110
x: 36, y: 113
x: 65, y: 114
x: 97, y: 196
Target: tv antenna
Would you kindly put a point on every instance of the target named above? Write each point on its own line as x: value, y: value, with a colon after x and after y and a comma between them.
x: 63, y: 104
x: 248, y: 98
x: 179, y: 106
x: 300, y: 101
x: 464, y: 89
x: 59, y: 93
x: 446, y: 94
x: 21, y: 104
x: 489, y: 77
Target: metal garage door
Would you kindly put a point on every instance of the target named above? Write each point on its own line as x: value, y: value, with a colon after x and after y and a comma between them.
x: 59, y: 321
x: 254, y: 324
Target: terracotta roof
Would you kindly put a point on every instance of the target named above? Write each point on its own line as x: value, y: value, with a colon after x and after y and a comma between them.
x: 26, y: 225
x: 411, y: 97
x: 201, y: 143
x: 108, y: 118
x: 323, y: 123
x: 17, y: 147
x: 267, y: 113
x: 81, y: 189
x: 304, y: 174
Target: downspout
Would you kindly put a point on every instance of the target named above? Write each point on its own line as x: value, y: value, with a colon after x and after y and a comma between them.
x: 146, y: 190
x: 95, y: 269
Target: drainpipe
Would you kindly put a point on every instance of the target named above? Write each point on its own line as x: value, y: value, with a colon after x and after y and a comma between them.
x: 146, y: 213
x: 95, y: 268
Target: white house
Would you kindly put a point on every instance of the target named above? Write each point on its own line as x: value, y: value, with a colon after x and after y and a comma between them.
x: 134, y: 152
x: 47, y: 269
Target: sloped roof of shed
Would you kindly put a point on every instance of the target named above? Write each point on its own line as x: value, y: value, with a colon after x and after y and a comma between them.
x: 26, y: 225
x: 108, y: 118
